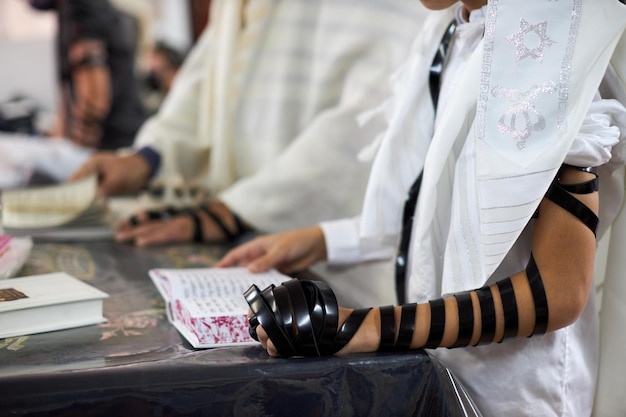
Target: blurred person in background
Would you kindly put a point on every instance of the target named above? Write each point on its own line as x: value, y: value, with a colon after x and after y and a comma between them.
x: 96, y: 48
x: 163, y: 62
x: 263, y: 115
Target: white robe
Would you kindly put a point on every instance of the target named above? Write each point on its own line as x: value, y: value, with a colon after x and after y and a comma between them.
x: 264, y: 115
x: 476, y: 188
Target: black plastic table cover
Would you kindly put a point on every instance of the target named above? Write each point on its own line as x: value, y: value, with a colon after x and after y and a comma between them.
x: 136, y: 363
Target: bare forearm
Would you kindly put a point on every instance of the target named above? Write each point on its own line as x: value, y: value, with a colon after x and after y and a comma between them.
x: 563, y: 250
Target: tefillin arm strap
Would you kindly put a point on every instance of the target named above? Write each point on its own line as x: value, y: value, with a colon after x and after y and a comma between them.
x: 483, y: 299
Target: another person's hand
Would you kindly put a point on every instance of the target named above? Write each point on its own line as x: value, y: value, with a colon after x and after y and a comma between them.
x: 117, y: 175
x: 145, y: 229
x: 149, y: 228
x: 288, y: 252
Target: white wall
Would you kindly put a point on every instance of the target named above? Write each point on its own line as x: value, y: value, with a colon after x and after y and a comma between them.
x: 174, y: 23
x: 27, y: 61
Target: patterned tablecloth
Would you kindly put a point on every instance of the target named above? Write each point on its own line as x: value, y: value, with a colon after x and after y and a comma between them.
x: 137, y: 364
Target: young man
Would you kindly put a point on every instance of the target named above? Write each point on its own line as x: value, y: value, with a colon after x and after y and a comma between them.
x: 500, y: 243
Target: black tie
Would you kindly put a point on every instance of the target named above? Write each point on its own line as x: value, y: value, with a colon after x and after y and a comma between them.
x: 436, y: 69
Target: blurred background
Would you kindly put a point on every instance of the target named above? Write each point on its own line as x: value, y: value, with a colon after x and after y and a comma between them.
x: 28, y: 76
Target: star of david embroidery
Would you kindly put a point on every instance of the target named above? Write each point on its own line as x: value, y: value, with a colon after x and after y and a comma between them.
x: 522, y: 104
x: 519, y: 37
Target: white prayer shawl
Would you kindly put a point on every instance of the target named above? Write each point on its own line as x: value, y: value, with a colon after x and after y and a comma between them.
x: 484, y: 177
x: 481, y: 183
x: 264, y: 115
x: 506, y: 165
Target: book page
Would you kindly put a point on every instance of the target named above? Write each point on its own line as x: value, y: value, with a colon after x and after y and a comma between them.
x: 210, y: 282
x: 210, y: 322
x: 52, y: 206
x: 207, y: 306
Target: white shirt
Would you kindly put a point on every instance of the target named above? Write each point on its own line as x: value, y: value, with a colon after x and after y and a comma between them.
x: 263, y: 115
x: 549, y: 375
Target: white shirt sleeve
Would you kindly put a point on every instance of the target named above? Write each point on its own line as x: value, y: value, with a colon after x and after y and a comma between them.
x: 599, y: 133
x: 344, y: 246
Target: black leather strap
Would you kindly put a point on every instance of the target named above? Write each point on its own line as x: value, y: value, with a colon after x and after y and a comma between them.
x: 198, y: 236
x: 437, y: 323
x: 488, y: 315
x: 324, y: 314
x: 407, y: 326
x: 282, y: 305
x: 349, y: 328
x: 402, y: 257
x: 557, y: 194
x: 539, y: 297
x: 466, y: 319
x: 300, y: 317
x: 306, y: 342
x: 230, y: 235
x: 263, y: 315
x: 585, y: 187
x: 509, y: 306
x: 164, y: 214
x: 436, y: 69
x: 387, y: 328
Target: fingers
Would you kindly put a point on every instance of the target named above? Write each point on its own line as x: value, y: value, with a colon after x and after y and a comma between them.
x: 116, y: 174
x: 259, y: 255
x: 266, y: 342
x: 275, y: 258
x: 95, y: 165
x: 243, y: 255
x: 288, y: 252
x: 155, y: 232
x: 110, y: 181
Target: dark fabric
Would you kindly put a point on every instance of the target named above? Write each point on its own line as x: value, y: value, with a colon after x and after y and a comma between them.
x: 434, y: 81
x: 98, y: 20
x: 136, y: 364
x: 152, y: 158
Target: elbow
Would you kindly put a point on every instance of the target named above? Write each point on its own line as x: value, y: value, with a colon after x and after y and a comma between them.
x: 567, y: 302
x: 569, y: 312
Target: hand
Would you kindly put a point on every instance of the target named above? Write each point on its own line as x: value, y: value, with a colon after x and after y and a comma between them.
x: 288, y: 252
x: 149, y: 228
x: 174, y: 226
x: 366, y: 339
x: 116, y: 174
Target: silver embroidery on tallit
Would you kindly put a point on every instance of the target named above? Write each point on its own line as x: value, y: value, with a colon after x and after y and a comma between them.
x: 522, y: 103
x: 531, y: 40
x: 566, y: 67
x: 529, y: 34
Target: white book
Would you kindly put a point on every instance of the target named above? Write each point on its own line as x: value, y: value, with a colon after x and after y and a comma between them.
x: 48, y: 302
x: 207, y: 306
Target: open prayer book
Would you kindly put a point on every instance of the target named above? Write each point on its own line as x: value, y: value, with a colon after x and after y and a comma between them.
x: 60, y: 211
x: 43, y: 303
x: 207, y: 305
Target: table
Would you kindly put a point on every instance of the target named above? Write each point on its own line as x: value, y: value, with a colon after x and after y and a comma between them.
x: 137, y: 364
